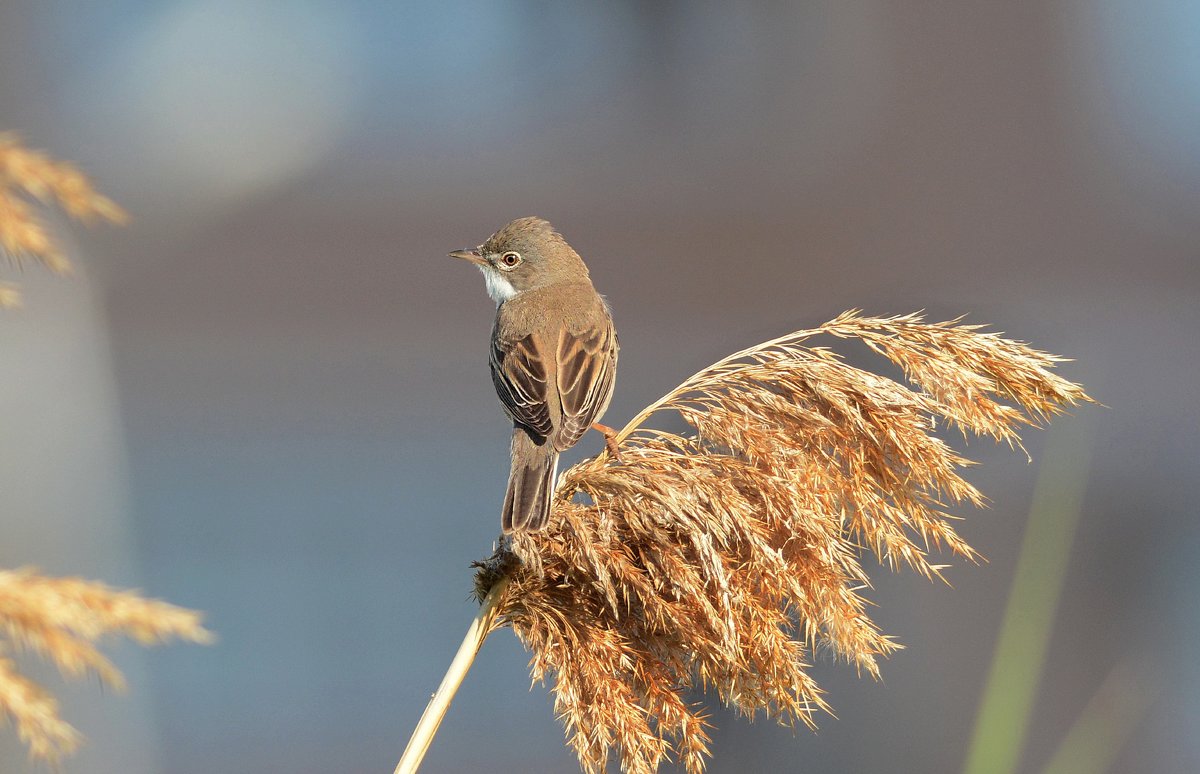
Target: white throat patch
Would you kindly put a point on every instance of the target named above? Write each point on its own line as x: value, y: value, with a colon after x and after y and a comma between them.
x: 499, y: 288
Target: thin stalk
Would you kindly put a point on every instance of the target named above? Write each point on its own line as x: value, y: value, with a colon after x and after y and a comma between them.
x: 431, y: 718
x: 1108, y: 720
x: 1007, y: 705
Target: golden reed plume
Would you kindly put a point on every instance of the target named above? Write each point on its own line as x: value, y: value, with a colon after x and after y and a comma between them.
x: 62, y: 619
x: 724, y: 557
x: 27, y: 174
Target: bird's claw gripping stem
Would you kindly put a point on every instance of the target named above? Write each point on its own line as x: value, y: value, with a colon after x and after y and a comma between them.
x: 610, y: 440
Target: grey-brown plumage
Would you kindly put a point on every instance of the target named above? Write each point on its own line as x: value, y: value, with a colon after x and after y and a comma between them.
x: 553, y: 356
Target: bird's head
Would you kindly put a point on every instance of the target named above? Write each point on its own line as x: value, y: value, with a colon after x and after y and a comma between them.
x: 525, y: 254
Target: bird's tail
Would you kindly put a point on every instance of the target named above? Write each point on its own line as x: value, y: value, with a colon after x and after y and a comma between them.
x: 530, y: 484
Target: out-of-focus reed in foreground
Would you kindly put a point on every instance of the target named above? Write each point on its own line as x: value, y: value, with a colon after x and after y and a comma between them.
x: 61, y: 619
x: 722, y: 558
x: 27, y: 174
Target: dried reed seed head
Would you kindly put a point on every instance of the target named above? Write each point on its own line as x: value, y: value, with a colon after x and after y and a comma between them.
x: 48, y: 180
x: 23, y: 233
x: 724, y: 558
x: 62, y: 619
x: 34, y: 714
x: 28, y: 173
x: 90, y: 610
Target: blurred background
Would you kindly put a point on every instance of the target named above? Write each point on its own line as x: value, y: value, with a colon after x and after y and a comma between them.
x: 267, y: 397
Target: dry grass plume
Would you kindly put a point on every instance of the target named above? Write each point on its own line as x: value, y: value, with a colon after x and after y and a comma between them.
x: 724, y: 557
x: 63, y: 620
x: 28, y: 177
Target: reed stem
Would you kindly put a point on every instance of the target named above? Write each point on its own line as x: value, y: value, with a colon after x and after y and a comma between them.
x: 431, y: 718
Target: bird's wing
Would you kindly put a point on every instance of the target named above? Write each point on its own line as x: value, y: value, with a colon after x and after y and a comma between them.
x: 587, y: 368
x: 520, y: 375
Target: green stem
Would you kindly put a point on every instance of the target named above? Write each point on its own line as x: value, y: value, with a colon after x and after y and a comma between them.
x: 1004, y: 713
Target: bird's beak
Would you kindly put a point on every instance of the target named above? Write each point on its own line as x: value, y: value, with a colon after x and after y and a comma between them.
x: 471, y: 254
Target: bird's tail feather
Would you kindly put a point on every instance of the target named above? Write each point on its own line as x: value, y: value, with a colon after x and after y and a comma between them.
x: 530, y: 484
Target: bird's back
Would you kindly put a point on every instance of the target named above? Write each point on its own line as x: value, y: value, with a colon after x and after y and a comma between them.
x: 577, y: 306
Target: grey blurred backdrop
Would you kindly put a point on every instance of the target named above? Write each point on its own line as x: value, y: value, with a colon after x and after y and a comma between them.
x: 267, y: 397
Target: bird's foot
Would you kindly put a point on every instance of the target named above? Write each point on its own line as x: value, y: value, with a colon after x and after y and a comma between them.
x: 610, y: 440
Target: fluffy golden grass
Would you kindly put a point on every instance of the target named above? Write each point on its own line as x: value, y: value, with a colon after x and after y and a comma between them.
x: 27, y: 176
x: 723, y: 558
x: 63, y: 620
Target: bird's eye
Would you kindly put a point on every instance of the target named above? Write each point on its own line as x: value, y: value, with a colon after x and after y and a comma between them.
x: 510, y: 260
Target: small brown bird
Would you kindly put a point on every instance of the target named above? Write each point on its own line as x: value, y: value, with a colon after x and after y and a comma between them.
x: 553, y: 357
